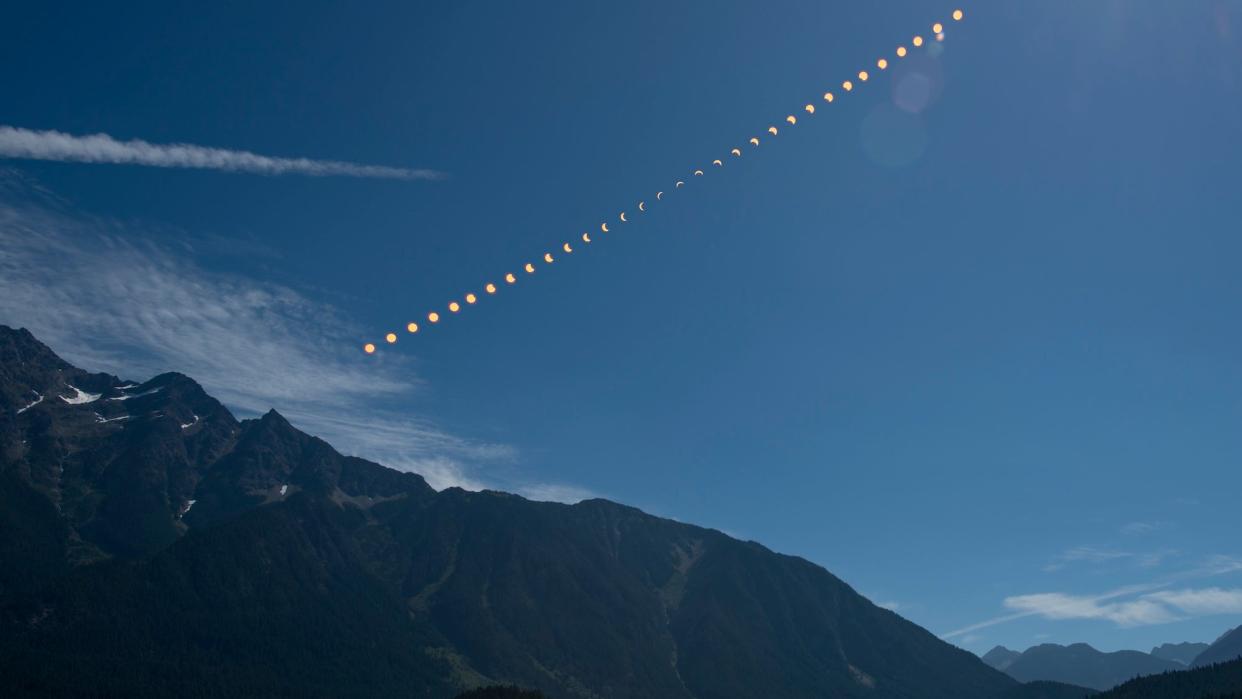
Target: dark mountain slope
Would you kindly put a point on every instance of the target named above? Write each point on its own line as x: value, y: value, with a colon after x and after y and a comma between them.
x: 1226, y: 648
x: 248, y: 558
x: 271, y: 604
x: 1080, y: 664
x: 1216, y: 681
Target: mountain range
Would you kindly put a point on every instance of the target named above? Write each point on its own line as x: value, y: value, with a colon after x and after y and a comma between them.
x: 1080, y: 664
x: 151, y: 544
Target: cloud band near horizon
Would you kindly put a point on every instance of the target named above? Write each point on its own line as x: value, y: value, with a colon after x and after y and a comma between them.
x: 102, y: 148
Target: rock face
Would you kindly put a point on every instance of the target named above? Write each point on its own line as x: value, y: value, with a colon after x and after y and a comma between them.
x: 151, y: 545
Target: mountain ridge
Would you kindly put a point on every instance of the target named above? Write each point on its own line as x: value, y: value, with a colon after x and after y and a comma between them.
x: 178, y: 545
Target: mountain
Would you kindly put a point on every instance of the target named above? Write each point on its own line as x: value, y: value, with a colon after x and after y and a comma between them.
x: 1214, y: 681
x: 153, y: 545
x: 1184, y: 653
x: 1227, y: 647
x: 1079, y: 664
x: 1001, y: 657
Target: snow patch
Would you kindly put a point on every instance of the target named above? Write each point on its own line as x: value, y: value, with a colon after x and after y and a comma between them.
x: 80, y: 397
x: 190, y: 424
x: 101, y: 418
x: 28, y: 407
x: 284, y: 489
x: 139, y: 395
x: 127, y: 386
x: 188, y: 505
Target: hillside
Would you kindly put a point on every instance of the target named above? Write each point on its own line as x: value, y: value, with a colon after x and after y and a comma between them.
x: 1216, y: 681
x: 154, y: 545
x: 1227, y: 647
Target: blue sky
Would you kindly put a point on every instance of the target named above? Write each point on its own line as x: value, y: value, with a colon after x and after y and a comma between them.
x: 980, y: 359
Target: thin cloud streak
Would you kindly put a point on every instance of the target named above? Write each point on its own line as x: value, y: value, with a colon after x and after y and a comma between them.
x: 102, y: 148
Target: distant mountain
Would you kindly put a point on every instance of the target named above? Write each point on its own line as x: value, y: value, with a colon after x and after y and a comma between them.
x: 1001, y: 657
x: 1227, y: 647
x: 1184, y: 653
x: 152, y: 545
x: 1079, y: 664
x: 1215, y: 681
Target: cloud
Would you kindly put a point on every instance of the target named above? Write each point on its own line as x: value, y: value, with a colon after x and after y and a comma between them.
x: 1141, y: 528
x: 1132, y: 605
x: 106, y: 303
x: 1202, y: 602
x: 1059, y: 606
x: 1088, y: 554
x: 102, y: 148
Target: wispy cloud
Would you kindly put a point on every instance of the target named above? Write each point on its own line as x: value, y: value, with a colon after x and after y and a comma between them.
x: 102, y: 148
x: 1141, y: 528
x: 1132, y: 605
x: 1202, y: 602
x: 1158, y: 607
x: 107, y: 303
x: 1059, y: 606
x: 1089, y: 554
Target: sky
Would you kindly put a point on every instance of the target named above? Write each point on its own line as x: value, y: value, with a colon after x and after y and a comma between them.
x: 968, y: 338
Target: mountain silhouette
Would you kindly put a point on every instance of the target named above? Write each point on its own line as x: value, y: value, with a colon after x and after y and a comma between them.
x: 153, y: 545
